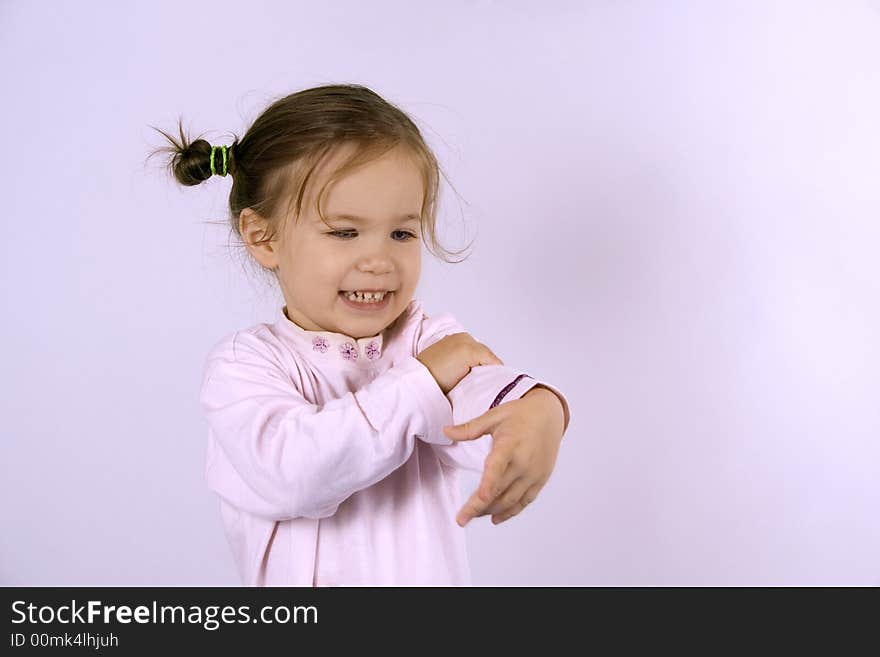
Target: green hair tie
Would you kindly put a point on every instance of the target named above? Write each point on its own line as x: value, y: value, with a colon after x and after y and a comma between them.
x: 213, y: 149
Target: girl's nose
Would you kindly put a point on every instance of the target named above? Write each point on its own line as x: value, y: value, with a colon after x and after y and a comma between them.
x: 378, y: 264
x: 376, y: 267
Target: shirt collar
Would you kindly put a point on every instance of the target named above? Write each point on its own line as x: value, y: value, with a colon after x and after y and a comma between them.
x: 329, y: 345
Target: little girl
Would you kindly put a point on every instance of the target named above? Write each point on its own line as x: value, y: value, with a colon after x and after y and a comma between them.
x: 330, y: 442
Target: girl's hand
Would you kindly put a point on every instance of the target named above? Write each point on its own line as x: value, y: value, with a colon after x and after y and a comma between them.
x: 451, y: 358
x: 526, y: 434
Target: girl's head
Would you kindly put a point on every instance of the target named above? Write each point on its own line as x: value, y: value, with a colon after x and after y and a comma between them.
x: 333, y: 189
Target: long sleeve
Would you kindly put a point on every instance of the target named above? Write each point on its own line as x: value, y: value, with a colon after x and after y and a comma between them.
x: 276, y: 455
x: 483, y: 388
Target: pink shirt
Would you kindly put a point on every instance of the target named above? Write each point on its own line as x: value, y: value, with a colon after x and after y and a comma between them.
x: 329, y: 458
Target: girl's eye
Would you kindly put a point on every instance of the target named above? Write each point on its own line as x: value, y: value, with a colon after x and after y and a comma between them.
x: 347, y: 234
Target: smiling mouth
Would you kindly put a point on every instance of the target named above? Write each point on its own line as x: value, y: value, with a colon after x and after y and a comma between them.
x: 354, y: 301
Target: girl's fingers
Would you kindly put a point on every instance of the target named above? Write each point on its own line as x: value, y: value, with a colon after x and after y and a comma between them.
x: 471, y: 509
x: 502, y: 484
x: 511, y: 495
x: 494, y: 472
x: 496, y: 475
x: 489, y: 357
x: 527, y: 499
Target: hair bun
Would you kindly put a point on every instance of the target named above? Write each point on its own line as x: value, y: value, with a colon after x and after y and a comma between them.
x: 192, y: 165
x: 192, y: 162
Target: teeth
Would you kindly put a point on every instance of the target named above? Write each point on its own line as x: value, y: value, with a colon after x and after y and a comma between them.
x: 366, y: 297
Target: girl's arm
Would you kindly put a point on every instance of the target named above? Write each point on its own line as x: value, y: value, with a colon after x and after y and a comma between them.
x: 274, y: 454
x: 484, y: 387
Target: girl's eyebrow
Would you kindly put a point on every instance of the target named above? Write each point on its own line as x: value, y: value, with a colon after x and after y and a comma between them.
x: 351, y: 217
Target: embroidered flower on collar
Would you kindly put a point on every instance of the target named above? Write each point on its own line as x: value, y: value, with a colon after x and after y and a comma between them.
x: 348, y: 351
x: 331, y: 344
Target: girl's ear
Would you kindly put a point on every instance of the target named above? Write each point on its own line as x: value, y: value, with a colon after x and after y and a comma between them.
x: 253, y: 229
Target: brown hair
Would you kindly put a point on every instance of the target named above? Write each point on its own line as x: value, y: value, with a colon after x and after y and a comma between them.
x: 276, y: 157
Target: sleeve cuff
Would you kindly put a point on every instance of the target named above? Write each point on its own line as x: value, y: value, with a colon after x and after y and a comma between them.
x: 487, y: 386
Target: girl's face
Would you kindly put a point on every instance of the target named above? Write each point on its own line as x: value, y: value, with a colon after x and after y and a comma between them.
x: 377, y: 247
